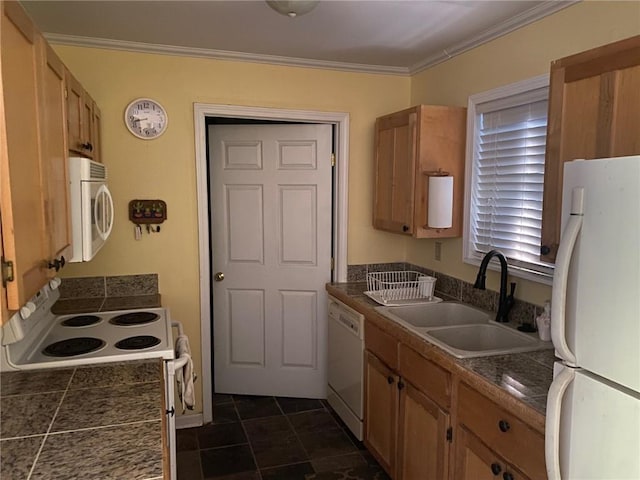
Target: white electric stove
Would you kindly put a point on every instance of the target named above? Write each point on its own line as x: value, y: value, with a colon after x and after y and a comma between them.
x: 35, y: 338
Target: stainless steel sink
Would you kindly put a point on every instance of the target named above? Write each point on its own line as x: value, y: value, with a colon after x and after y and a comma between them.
x: 436, y: 314
x: 462, y: 330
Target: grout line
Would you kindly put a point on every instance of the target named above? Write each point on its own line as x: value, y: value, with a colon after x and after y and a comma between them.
x: 101, y: 427
x: 241, y: 421
x: 53, y: 419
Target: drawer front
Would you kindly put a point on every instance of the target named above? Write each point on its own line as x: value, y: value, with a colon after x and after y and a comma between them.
x: 381, y: 344
x: 428, y: 377
x: 503, y: 432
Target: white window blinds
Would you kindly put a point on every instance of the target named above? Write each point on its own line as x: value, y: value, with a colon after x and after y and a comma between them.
x: 507, y: 176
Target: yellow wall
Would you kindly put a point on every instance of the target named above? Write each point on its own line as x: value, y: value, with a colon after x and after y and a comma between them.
x: 525, y: 53
x: 165, y: 168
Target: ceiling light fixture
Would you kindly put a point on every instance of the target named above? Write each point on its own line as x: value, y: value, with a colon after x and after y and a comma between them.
x: 293, y: 8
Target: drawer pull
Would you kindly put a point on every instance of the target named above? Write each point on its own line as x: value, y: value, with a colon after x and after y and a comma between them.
x: 507, y: 476
x: 504, y: 426
x: 389, y: 379
x: 496, y: 468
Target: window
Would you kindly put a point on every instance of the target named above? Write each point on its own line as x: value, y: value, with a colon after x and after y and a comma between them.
x: 506, y: 137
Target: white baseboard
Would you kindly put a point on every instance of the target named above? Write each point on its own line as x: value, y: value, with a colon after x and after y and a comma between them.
x: 189, y: 421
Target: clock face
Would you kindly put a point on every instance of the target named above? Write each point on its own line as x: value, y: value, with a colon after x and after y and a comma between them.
x: 145, y: 118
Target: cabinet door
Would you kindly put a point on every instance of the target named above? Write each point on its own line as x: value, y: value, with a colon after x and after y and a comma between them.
x: 96, y: 127
x: 23, y: 219
x: 54, y: 154
x: 423, y: 448
x: 475, y: 461
x: 380, y: 407
x: 75, y: 110
x: 395, y: 164
x: 593, y: 113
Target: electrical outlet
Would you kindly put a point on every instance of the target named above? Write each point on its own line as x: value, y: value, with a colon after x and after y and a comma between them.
x: 438, y: 251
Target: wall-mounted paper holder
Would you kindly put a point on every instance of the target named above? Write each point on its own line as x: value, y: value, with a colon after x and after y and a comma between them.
x: 439, y: 200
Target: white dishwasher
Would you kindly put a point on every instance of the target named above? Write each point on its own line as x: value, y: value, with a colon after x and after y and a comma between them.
x: 346, y: 347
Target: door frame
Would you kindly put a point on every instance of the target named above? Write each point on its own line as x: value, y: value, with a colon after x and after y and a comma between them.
x: 340, y: 121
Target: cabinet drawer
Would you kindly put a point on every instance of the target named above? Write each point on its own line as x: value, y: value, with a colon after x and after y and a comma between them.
x: 381, y: 344
x: 425, y: 375
x: 506, y: 434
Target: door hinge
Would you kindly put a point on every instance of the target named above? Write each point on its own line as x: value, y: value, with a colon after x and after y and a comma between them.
x: 333, y: 159
x: 449, y: 434
x: 333, y: 263
x: 7, y: 272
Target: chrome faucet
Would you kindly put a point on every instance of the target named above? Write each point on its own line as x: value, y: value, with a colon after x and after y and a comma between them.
x: 506, y: 301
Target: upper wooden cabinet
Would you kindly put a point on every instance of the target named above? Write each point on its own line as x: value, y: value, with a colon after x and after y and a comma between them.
x: 83, y: 120
x: 593, y: 113
x: 408, y: 145
x: 23, y: 197
x: 36, y: 232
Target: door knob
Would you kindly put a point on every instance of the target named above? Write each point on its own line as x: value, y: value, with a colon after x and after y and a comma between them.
x: 218, y: 277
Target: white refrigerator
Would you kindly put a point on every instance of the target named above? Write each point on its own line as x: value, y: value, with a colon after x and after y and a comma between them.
x: 593, y: 407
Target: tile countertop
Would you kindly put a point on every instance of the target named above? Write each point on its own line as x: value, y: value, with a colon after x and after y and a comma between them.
x: 525, y: 377
x: 91, y: 422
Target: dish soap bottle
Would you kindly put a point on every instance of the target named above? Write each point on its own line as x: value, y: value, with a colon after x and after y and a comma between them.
x: 543, y: 321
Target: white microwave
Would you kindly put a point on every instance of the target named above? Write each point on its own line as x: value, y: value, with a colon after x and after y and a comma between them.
x: 91, y: 207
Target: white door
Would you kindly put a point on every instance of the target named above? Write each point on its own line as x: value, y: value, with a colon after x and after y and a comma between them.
x: 271, y: 240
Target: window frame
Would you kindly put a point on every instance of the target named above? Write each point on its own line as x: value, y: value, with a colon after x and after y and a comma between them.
x: 529, y: 271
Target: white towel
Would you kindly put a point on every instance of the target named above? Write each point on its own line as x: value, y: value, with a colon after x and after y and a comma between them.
x: 185, y: 375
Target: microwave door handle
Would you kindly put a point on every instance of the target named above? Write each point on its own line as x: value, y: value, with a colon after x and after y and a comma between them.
x: 103, y: 198
x: 108, y: 217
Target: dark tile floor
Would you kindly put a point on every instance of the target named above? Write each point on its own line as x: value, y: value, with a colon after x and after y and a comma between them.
x: 273, y: 438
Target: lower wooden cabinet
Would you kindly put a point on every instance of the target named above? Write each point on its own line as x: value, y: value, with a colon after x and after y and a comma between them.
x: 423, y: 433
x: 475, y: 461
x: 406, y: 426
x: 504, y: 433
x: 409, y: 401
x: 381, y: 406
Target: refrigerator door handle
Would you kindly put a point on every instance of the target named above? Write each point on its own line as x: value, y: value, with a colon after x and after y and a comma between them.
x: 552, y: 427
x: 561, y: 276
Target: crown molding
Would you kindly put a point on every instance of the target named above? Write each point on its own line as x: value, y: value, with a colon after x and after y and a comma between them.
x: 534, y: 14
x: 139, y: 47
x: 542, y: 10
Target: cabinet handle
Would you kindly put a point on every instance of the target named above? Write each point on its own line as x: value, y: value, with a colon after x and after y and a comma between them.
x: 405, y: 228
x: 87, y: 146
x: 389, y: 379
x: 57, y: 264
x: 545, y: 250
x: 400, y: 385
x: 507, y: 476
x: 504, y: 426
x: 496, y: 468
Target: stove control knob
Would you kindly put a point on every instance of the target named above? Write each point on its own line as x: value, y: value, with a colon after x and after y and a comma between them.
x: 27, y: 310
x: 54, y: 283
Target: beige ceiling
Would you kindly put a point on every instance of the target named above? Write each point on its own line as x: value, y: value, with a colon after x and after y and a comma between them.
x: 400, y: 36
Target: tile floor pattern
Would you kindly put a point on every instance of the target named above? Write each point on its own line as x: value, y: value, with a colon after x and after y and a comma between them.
x: 273, y: 438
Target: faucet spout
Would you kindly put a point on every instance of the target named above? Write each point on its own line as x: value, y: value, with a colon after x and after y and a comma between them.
x: 505, y: 302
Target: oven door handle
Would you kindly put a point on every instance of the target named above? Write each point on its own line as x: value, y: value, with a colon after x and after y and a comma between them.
x: 182, y: 360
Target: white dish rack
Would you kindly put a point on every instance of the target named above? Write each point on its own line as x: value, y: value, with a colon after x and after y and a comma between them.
x: 400, y: 288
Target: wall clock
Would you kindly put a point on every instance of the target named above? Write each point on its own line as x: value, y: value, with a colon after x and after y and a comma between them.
x: 145, y: 118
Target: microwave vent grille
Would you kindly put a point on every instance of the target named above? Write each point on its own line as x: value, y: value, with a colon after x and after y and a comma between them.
x: 98, y: 171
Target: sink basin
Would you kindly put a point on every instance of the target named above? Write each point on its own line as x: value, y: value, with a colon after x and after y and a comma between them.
x: 481, y: 340
x: 436, y: 314
x: 462, y: 330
